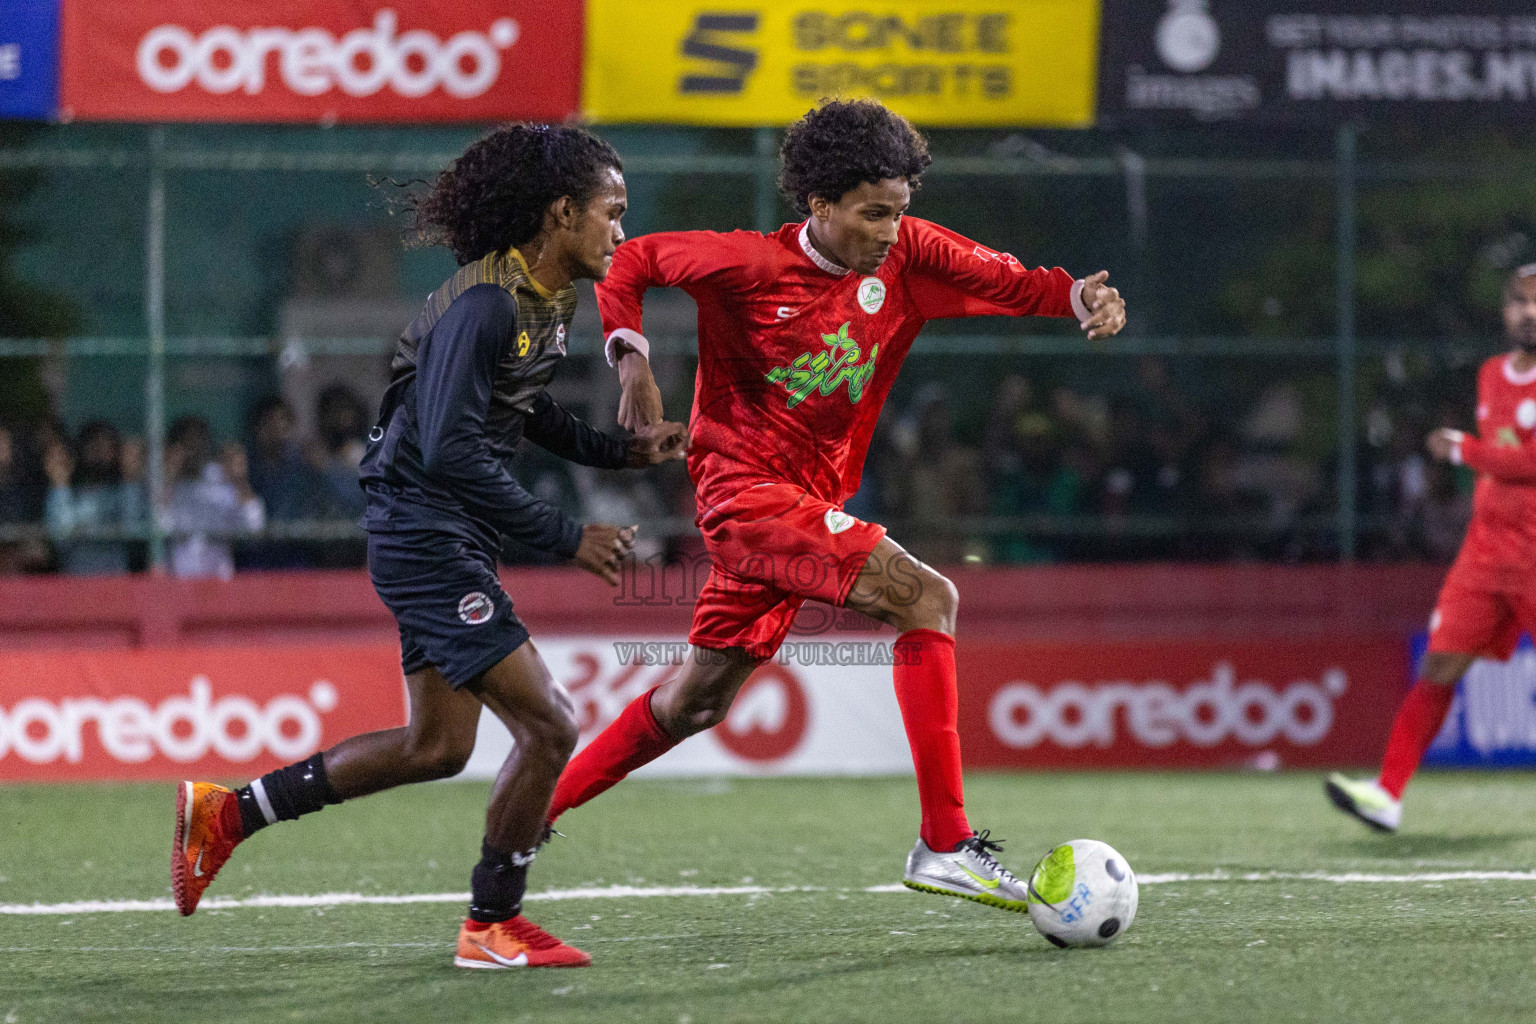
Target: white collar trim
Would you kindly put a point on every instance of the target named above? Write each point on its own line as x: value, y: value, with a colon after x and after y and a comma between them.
x: 1518, y: 379
x: 815, y: 257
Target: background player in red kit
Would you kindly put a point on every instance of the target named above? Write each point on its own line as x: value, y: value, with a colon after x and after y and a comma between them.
x: 801, y: 334
x: 1489, y: 596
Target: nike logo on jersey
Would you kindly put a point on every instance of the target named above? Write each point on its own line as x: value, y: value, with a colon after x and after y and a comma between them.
x: 785, y: 312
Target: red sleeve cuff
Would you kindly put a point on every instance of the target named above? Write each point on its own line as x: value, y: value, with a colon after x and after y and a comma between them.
x: 1467, y: 451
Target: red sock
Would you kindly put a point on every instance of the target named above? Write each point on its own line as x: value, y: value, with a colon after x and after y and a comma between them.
x: 1418, y: 720
x: 633, y: 739
x: 930, y: 704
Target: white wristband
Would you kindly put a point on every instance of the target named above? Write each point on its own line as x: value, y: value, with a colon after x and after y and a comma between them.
x: 634, y: 339
x: 1079, y: 309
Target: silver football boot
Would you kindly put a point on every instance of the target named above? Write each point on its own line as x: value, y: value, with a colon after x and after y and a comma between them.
x: 970, y: 872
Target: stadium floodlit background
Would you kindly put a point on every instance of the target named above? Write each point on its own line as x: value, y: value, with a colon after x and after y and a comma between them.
x: 1310, y: 207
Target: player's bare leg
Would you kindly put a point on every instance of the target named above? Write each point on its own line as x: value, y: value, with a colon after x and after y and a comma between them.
x: 435, y: 743
x: 212, y: 820
x: 520, y: 691
x: 922, y: 605
x: 1379, y: 802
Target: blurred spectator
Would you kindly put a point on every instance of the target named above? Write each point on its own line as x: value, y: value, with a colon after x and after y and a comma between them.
x: 342, y: 421
x: 18, y: 509
x: 1446, y: 511
x: 291, y: 489
x: 1268, y: 466
x: 1129, y: 479
x: 938, y: 480
x: 1084, y: 419
x: 97, y: 489
x: 207, y: 502
x: 999, y: 440
x: 13, y: 491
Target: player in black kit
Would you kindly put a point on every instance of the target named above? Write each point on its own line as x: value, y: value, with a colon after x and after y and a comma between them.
x: 526, y: 211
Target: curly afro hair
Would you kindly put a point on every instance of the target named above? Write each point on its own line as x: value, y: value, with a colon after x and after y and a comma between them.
x: 495, y: 195
x: 843, y: 143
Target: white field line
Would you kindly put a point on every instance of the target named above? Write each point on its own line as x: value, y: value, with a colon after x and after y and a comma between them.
x: 338, y: 899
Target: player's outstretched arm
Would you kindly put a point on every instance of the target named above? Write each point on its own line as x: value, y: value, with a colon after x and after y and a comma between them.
x: 953, y: 276
x: 1513, y: 465
x: 640, y: 399
x: 552, y: 427
x: 690, y: 260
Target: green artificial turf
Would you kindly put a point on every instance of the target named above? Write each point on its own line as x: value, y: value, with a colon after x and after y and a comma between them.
x: 1200, y: 950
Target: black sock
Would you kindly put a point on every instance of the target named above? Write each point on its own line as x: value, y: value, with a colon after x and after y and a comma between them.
x: 498, y: 884
x: 285, y: 794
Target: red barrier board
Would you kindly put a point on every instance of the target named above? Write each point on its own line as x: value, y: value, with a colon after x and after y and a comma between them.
x: 1292, y: 702
x: 233, y: 712
x: 207, y: 713
x: 321, y: 60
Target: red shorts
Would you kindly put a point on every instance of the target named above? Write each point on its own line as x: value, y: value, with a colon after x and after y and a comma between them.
x: 773, y: 546
x: 1474, y: 616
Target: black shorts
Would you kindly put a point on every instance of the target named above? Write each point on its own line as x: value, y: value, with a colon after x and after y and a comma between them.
x: 445, y: 595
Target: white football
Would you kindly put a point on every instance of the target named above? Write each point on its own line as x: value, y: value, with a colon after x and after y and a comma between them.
x: 1082, y: 893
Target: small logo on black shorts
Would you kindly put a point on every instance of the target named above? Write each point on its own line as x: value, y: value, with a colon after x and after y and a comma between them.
x: 476, y: 609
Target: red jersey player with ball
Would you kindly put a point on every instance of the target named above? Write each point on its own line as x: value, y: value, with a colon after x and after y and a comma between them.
x: 801, y: 334
x: 1489, y: 596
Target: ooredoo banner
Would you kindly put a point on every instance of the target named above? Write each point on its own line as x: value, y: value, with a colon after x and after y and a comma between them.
x: 1306, y: 702
x: 321, y: 60
x: 824, y: 706
x: 208, y: 713
x: 940, y: 62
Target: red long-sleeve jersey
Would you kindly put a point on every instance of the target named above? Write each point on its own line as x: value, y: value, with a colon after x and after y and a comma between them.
x: 1501, y: 540
x: 797, y: 354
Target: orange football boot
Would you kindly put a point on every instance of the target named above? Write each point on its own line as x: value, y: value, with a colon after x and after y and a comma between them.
x: 207, y: 832
x: 515, y: 943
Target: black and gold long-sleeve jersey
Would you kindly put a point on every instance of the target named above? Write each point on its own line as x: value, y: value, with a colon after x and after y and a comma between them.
x: 468, y: 381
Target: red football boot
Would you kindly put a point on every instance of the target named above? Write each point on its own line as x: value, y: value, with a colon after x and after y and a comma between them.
x: 515, y: 943
x: 207, y: 831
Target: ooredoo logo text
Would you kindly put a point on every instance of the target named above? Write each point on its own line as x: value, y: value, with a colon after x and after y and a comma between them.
x: 1156, y: 714
x: 184, y: 727
x: 313, y: 61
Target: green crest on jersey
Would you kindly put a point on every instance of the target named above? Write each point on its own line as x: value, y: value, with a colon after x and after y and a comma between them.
x: 1053, y: 877
x: 827, y: 371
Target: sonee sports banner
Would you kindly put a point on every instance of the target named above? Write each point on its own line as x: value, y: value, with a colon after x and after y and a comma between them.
x: 321, y: 60
x: 1316, y: 61
x: 940, y: 62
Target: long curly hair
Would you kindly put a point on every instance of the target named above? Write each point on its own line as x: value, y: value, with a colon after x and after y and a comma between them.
x: 495, y: 195
x: 842, y: 144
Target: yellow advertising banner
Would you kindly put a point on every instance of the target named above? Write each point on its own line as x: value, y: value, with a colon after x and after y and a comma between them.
x: 939, y: 62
